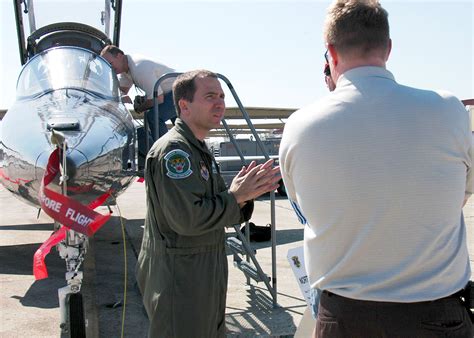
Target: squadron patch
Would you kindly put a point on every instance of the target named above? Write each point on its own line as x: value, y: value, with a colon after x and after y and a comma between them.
x: 204, y: 171
x: 178, y: 164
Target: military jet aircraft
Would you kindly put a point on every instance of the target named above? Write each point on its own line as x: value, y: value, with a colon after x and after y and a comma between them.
x: 67, y: 143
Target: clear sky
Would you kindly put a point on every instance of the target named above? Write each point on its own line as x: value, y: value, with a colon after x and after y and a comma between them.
x: 271, y: 51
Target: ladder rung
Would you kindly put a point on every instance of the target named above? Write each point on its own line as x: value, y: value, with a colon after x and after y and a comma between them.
x: 236, y: 246
x: 250, y: 271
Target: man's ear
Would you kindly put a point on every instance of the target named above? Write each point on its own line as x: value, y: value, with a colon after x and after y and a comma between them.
x: 333, y: 53
x: 183, y: 106
x: 389, y: 49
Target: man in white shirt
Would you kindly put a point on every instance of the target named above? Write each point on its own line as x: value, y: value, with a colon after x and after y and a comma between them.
x: 379, y: 173
x: 143, y: 73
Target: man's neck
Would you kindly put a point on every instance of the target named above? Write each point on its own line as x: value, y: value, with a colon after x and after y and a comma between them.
x: 126, y: 64
x: 351, y: 64
x: 199, y: 134
x: 354, y: 59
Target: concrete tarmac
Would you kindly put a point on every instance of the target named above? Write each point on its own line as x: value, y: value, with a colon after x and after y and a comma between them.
x: 30, y: 308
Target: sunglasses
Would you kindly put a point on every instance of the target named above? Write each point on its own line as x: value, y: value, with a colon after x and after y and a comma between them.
x: 326, y: 56
x: 327, y: 70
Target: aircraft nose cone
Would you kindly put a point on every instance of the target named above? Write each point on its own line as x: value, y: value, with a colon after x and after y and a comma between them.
x: 76, y: 166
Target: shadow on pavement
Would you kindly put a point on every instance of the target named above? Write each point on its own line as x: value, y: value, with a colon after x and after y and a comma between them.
x: 283, y: 237
x: 109, y: 279
x: 260, y: 317
x: 18, y: 260
x: 28, y: 227
x: 42, y: 294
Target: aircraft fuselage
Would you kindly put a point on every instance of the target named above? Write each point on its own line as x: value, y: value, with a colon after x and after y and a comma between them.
x: 97, y: 128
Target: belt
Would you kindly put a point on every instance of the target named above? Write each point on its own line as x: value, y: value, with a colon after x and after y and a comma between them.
x: 160, y: 246
x: 457, y: 295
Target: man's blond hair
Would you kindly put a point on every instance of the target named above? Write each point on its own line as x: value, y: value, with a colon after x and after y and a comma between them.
x: 357, y: 26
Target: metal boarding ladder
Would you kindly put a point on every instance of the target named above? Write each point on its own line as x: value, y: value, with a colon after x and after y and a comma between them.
x: 240, y: 246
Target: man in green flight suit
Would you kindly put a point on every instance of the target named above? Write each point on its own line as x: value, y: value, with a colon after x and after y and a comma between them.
x: 182, y: 266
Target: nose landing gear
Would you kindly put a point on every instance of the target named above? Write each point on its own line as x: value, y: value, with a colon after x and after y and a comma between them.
x: 72, y: 250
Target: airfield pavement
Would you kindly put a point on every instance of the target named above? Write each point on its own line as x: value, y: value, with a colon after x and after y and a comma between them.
x: 29, y: 308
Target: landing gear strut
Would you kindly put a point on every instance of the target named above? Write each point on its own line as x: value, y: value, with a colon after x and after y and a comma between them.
x: 72, y: 250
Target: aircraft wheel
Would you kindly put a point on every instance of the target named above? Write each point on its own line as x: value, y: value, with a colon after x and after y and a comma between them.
x: 281, y: 189
x: 77, y: 325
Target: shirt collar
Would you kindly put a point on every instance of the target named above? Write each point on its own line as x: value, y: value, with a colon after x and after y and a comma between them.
x: 183, y: 129
x: 359, y: 73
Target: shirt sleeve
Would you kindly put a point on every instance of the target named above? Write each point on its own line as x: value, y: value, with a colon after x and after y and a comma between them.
x: 145, y: 73
x: 286, y: 159
x: 287, y: 162
x: 187, y: 206
x: 470, y: 169
x: 247, y: 210
x: 125, y: 81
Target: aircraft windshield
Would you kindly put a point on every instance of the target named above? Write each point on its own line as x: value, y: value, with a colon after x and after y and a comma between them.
x: 67, y: 67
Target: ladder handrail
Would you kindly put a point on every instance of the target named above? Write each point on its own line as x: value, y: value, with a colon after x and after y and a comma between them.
x: 156, y: 109
x: 273, y: 290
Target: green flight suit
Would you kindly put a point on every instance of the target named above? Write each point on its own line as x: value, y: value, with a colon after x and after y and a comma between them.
x: 182, y: 267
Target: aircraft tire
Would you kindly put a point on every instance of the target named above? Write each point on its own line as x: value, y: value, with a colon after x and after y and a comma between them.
x: 281, y: 189
x: 77, y: 325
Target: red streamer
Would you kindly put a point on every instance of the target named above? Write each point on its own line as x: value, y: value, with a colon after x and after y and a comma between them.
x: 66, y: 211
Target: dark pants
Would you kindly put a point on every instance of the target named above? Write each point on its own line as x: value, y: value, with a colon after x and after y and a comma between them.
x: 343, y: 317
x: 166, y: 111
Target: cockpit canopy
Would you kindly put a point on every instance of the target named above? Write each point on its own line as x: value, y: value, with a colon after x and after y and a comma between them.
x: 67, y: 68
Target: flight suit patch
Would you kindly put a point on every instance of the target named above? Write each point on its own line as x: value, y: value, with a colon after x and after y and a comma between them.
x: 214, y: 168
x: 178, y: 164
x: 204, y: 171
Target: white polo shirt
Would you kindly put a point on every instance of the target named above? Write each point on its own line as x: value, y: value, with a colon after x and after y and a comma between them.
x: 144, y: 73
x: 378, y: 171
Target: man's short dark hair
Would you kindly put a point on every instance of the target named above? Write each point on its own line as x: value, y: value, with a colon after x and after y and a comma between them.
x: 184, y: 86
x: 357, y: 26
x: 112, y: 49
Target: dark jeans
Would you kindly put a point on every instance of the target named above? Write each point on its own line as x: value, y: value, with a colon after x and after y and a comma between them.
x: 343, y: 317
x: 166, y: 111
